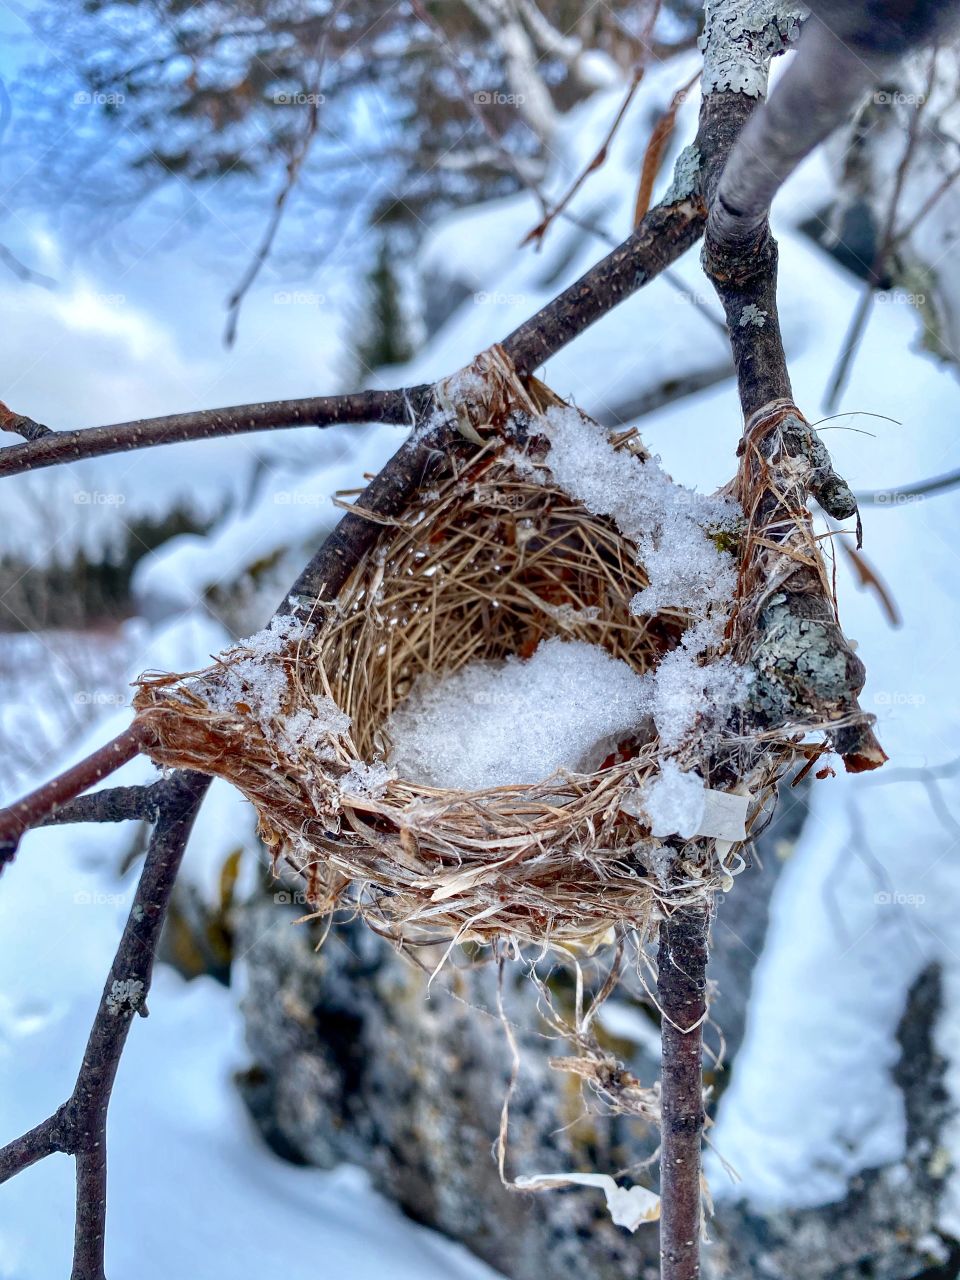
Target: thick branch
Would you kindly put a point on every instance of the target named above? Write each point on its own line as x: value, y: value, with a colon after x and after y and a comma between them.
x: 817, y: 93
x: 847, y: 47
x: 817, y: 673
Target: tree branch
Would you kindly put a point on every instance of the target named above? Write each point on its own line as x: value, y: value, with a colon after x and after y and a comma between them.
x: 35, y: 808
x: 681, y: 994
x: 740, y: 257
x: 78, y: 1128
x: 398, y: 407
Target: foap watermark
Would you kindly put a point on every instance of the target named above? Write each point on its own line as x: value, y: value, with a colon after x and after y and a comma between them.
x: 893, y: 499
x: 500, y: 299
x: 291, y: 898
x: 291, y: 498
x: 98, y: 498
x: 895, y: 898
x: 490, y: 698
x: 98, y: 98
x: 496, y: 98
x: 898, y: 698
x: 690, y: 297
x: 298, y: 99
x: 97, y: 698
x: 896, y: 98
x: 298, y: 298
x: 900, y: 296
x: 494, y: 498
x: 96, y: 898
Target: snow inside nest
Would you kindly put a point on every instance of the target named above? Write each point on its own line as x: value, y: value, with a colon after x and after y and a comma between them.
x: 676, y: 531
x: 511, y: 722
x: 674, y: 528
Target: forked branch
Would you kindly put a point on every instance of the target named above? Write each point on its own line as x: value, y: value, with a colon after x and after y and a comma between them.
x: 79, y: 1127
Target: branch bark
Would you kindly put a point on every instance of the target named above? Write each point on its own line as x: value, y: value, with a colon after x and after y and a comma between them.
x: 681, y: 992
x: 398, y: 407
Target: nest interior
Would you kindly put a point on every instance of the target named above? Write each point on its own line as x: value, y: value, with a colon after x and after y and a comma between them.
x: 492, y: 564
x: 487, y: 564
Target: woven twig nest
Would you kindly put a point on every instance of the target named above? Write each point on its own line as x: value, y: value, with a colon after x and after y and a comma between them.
x: 496, y: 557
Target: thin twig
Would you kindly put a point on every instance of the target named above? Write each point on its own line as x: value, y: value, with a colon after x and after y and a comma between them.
x: 33, y: 809
x: 681, y: 995
x: 294, y: 168
x: 469, y: 100
x: 395, y: 406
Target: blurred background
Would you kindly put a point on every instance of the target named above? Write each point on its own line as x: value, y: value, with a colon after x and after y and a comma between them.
x: 206, y: 204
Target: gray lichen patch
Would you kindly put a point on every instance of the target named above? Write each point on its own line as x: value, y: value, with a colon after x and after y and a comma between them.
x: 125, y: 993
x: 802, y: 666
x: 752, y: 314
x: 830, y: 489
x: 686, y: 176
x: 739, y: 39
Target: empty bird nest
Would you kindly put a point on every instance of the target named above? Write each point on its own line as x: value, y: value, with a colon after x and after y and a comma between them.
x: 549, y: 529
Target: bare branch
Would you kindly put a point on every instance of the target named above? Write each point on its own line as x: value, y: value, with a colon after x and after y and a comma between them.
x: 113, y: 804
x: 396, y: 407
x: 78, y: 1128
x: 846, y: 48
x: 34, y: 808
x: 294, y: 168
x: 681, y: 993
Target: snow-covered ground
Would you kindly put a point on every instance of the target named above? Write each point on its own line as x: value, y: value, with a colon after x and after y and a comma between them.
x: 871, y: 894
x: 193, y: 1191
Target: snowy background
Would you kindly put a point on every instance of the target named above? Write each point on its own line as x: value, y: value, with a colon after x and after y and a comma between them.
x: 869, y: 897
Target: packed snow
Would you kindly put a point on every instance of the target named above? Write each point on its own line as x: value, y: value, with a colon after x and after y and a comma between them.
x: 675, y: 801
x: 496, y: 724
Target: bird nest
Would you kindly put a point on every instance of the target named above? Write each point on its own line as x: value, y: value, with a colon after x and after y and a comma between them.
x: 496, y: 557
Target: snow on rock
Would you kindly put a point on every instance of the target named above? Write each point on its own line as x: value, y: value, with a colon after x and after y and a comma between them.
x: 495, y: 724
